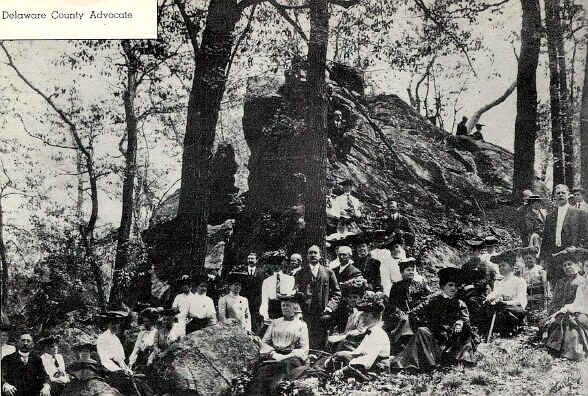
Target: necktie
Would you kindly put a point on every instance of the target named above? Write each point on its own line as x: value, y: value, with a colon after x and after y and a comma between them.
x: 58, y: 372
x: 578, y: 205
x: 277, y: 284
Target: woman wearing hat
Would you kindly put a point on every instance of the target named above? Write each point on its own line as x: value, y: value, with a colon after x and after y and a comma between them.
x: 566, y: 332
x: 508, y: 300
x: 181, y: 304
x: 374, y: 350
x: 285, y: 347
x: 404, y: 296
x: 146, y: 345
x: 535, y: 277
x: 233, y: 305
x: 201, y: 312
x: 53, y: 363
x: 565, y: 288
x: 355, y: 327
x: 442, y: 332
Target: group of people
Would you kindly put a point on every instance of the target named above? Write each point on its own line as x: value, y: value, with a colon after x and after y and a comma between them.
x: 368, y: 310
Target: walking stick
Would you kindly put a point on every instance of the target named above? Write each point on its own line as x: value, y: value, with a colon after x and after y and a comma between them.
x: 491, y: 327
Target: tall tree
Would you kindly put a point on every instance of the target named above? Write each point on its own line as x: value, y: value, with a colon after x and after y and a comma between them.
x: 584, y: 125
x: 316, y: 126
x: 526, y: 119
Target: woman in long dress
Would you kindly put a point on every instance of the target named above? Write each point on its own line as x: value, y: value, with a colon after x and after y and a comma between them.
x: 285, y: 347
x: 146, y: 345
x: 233, y: 305
x: 566, y: 331
x: 442, y: 332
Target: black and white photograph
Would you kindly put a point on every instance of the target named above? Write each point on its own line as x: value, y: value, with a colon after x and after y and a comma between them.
x: 294, y: 197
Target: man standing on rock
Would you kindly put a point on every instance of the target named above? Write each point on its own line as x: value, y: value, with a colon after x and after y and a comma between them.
x: 396, y: 221
x: 564, y: 227
x: 346, y: 210
x: 369, y: 266
x: 322, y: 296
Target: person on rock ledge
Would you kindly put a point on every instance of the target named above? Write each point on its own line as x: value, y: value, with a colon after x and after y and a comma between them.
x: 345, y: 209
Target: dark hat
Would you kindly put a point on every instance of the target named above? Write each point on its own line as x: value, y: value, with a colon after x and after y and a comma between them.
x: 578, y: 188
x: 448, y: 274
x: 141, y: 306
x: 525, y: 251
x: 407, y: 262
x: 346, y: 182
x: 84, y: 343
x: 198, y: 279
x: 491, y: 241
x: 237, y: 277
x: 150, y: 313
x: 475, y: 243
x: 480, y: 125
x: 295, y: 298
x: 355, y: 285
x: 47, y: 341
x: 372, y: 302
x: 112, y: 316
x: 508, y: 256
x: 534, y: 197
x: 184, y: 280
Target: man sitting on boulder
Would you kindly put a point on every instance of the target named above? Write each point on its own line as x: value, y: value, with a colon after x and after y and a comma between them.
x: 285, y: 347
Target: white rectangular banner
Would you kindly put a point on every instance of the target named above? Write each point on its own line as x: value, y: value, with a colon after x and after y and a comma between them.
x: 78, y: 19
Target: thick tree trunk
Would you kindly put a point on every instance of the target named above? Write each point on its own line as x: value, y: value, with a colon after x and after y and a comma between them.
x: 316, y: 124
x: 124, y: 231
x: 3, y: 261
x: 526, y: 120
x: 564, y: 99
x: 478, y: 113
x: 212, y: 58
x: 559, y: 176
x: 584, y: 125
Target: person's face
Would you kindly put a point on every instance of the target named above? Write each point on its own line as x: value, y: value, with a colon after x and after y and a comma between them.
x: 314, y: 255
x: 570, y: 268
x: 252, y: 259
x: 347, y: 189
x: 505, y: 268
x: 3, y: 337
x: 295, y: 261
x: 397, y: 248
x: 202, y: 288
x: 25, y: 343
x: 148, y: 323
x: 235, y: 288
x: 52, y: 349
x: 408, y: 273
x: 352, y: 299
x: 561, y: 195
x: 84, y: 355
x: 394, y: 207
x: 185, y: 288
x: 114, y: 327
x: 450, y: 289
x: 530, y: 260
x: 287, y: 309
x: 343, y: 257
x: 578, y: 197
x: 362, y: 250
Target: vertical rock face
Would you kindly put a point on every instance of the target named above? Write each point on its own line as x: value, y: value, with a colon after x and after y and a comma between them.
x: 383, y: 145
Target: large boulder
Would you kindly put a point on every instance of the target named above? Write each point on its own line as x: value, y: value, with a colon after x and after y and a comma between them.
x: 207, y: 361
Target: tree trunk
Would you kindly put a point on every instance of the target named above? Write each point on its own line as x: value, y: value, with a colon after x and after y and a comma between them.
x: 526, y: 120
x: 208, y: 86
x: 478, y: 114
x: 565, y: 104
x: 3, y: 261
x: 316, y: 125
x: 559, y: 176
x: 584, y: 125
x: 124, y: 231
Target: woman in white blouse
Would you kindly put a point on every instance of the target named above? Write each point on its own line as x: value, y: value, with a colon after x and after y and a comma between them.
x: 54, y: 364
x: 146, y: 346
x: 233, y: 305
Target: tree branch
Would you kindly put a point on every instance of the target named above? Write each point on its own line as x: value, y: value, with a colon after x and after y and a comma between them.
x: 190, y: 26
x: 288, y: 19
x: 345, y: 3
x: 46, y: 142
x: 241, y: 37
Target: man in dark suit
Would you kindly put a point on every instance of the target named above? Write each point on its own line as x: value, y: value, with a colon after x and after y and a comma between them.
x: 23, y: 373
x: 344, y: 271
x: 252, y: 290
x: 323, y: 295
x: 396, y: 221
x: 369, y: 266
x: 564, y: 227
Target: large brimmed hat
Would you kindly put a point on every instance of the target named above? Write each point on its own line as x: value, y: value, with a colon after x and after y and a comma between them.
x: 534, y: 197
x: 491, y: 241
x: 407, y: 262
x: 578, y: 189
x: 448, y: 274
x: 508, y: 256
x: 475, y: 243
x: 47, y: 341
x: 372, y: 302
x: 199, y: 279
x: 237, y: 277
x: 84, y: 343
x: 356, y: 285
x: 295, y: 298
x: 150, y: 313
x: 114, y: 315
x: 398, y: 236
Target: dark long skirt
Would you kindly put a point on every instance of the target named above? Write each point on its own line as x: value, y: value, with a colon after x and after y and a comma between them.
x: 128, y: 385
x: 270, y: 374
x: 474, y: 300
x: 196, y: 324
x: 568, y: 336
x: 424, y: 351
x: 508, y: 318
x: 400, y: 335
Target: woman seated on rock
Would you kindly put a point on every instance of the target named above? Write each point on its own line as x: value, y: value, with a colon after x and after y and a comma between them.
x: 564, y: 290
x: 232, y: 305
x: 285, y: 347
x: 146, y: 346
x: 404, y: 296
x: 201, y: 311
x: 373, y: 352
x: 508, y: 300
x: 355, y: 328
x: 536, y: 278
x: 567, y: 330
x: 442, y: 329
